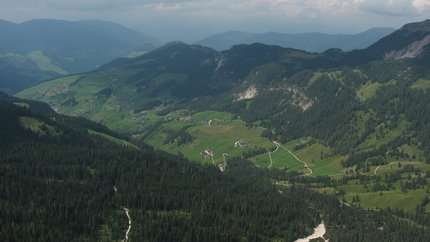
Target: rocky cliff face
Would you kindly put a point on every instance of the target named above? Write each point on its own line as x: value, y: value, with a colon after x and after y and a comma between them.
x: 413, y: 50
x: 419, y: 34
x: 410, y: 41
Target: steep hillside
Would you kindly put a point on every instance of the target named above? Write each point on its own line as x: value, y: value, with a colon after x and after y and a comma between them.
x: 172, y: 73
x: 81, y: 187
x: 12, y: 80
x: 351, y: 110
x: 408, y: 42
x: 45, y: 49
x: 312, y: 42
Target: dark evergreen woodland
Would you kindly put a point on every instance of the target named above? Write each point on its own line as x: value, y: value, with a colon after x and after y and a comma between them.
x: 61, y: 187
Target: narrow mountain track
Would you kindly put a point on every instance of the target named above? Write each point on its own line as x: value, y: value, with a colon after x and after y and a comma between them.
x: 271, y: 161
x: 127, y: 212
x: 222, y: 168
x: 270, y: 154
x: 297, y: 158
x: 376, y: 169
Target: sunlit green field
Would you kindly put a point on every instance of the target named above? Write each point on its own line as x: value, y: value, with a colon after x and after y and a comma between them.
x: 220, y: 136
x: 328, y: 167
x: 393, y: 198
x: 382, y: 199
x: 368, y: 90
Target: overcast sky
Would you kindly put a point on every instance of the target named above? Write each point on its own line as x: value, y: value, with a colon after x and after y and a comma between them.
x: 192, y: 20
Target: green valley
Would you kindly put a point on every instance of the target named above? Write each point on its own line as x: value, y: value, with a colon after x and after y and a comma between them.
x: 335, y: 121
x: 84, y: 178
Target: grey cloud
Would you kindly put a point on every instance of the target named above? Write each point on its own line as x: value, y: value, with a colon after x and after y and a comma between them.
x: 390, y: 7
x: 91, y: 5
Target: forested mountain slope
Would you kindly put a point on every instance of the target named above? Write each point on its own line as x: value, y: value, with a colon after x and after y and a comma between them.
x: 339, y: 99
x: 75, y: 186
x: 12, y: 81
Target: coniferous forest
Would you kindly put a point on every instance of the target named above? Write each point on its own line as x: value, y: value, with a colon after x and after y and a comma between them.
x: 59, y: 183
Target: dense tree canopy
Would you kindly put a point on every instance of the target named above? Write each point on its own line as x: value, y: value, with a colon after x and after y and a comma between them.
x: 65, y: 184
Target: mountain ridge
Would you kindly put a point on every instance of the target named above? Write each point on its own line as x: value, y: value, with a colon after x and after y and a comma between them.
x: 46, y: 48
x: 406, y: 35
x: 312, y: 42
x: 229, y: 72
x: 316, y: 94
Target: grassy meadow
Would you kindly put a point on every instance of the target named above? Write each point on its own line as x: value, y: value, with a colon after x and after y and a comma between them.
x: 38, y: 126
x: 78, y: 95
x: 421, y: 84
x: 368, y: 90
x: 113, y: 139
x: 43, y: 62
x: 219, y: 136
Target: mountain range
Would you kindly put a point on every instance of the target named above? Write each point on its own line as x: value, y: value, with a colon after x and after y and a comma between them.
x: 309, y: 94
x: 187, y: 143
x: 38, y: 50
x: 311, y: 42
x: 43, y: 49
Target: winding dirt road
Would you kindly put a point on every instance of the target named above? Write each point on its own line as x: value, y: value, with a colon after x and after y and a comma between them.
x: 127, y: 212
x: 376, y: 169
x: 222, y: 168
x: 129, y: 224
x: 270, y: 154
x: 297, y: 158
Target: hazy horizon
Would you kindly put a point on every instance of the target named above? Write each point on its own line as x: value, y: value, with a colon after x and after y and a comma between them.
x: 190, y: 20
